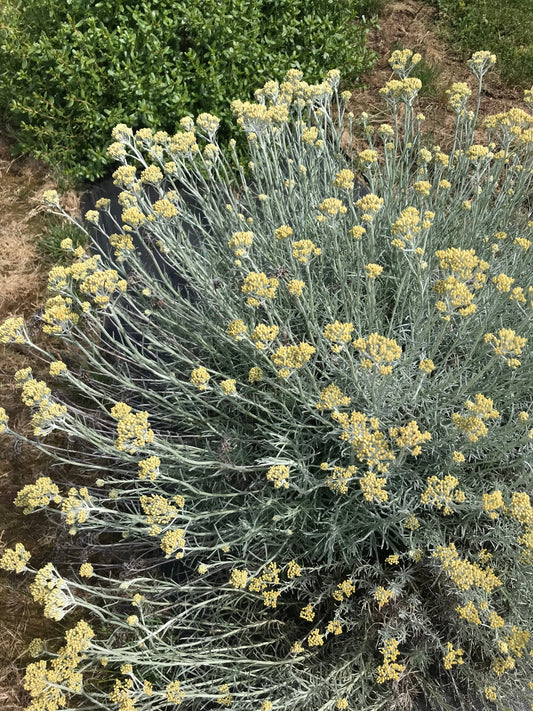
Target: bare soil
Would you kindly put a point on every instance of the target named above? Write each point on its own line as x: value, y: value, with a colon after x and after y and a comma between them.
x: 23, y: 272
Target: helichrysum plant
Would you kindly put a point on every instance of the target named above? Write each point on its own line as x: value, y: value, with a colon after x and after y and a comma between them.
x: 299, y: 417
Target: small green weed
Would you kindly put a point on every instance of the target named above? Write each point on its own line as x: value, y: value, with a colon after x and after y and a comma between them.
x: 50, y: 241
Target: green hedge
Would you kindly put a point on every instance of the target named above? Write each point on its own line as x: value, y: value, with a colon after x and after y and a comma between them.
x: 71, y: 70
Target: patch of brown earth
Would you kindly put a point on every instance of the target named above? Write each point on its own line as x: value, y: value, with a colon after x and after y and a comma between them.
x: 411, y: 25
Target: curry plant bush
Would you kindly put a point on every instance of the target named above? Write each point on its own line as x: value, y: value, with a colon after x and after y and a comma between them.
x: 298, y: 416
x: 70, y: 71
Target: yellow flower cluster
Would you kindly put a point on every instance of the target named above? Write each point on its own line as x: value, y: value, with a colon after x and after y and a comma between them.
x: 133, y: 431
x: 506, y: 344
x: 344, y: 179
x: 34, y: 496
x: 291, y: 358
x: 240, y: 242
x: 338, y: 480
x: 464, y: 264
x: 261, y: 583
x: 255, y: 375
x: 357, y: 232
x: 469, y: 613
x: 159, y: 511
x: 283, y: 231
x: 184, y: 143
x: 125, y: 176
x: 493, y: 502
x: 378, y: 352
x: 459, y: 94
x: 35, y: 393
x: 263, y: 335
x: 339, y: 334
x: 58, y: 316
x: 334, y: 627
x: 315, y: 639
x: 521, y: 508
x: 101, y: 285
x: 401, y: 90
x: 390, y: 669
x: 57, y: 368
x: 307, y: 613
x: 76, y: 505
x: 490, y: 693
x: 200, y: 376
x: 122, y: 695
x: 344, y: 589
x: 48, y: 685
x: 410, y: 437
x: 279, y: 476
x: 304, y: 250
x: 402, y: 60
x: 367, y: 157
x: 149, y: 468
x: 423, y: 187
x: 411, y: 522
x: 332, y: 207
x: 477, y: 152
x: 373, y: 270
x: 465, y: 574
x: 239, y: 578
x: 472, y: 424
x: 426, y: 365
x: 51, y: 591
x: 226, y: 698
x: 12, y: 331
x: 383, y: 596
x: 372, y: 487
x: 236, y: 329
x: 86, y: 570
x: 503, y: 282
x: 208, y: 122
x: 405, y: 227
x: 517, y: 641
x: 481, y: 62
x: 441, y: 493
x: 368, y: 442
x: 132, y: 217
x: 331, y: 398
x: 15, y: 559
x: 171, y: 541
x: 453, y: 656
x: 293, y: 570
x: 260, y: 287
x: 295, y: 287
x: 310, y: 136
x: 500, y: 666
x: 257, y: 118
x: 165, y: 208
x: 369, y: 205
x: 228, y: 387
x: 4, y: 419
